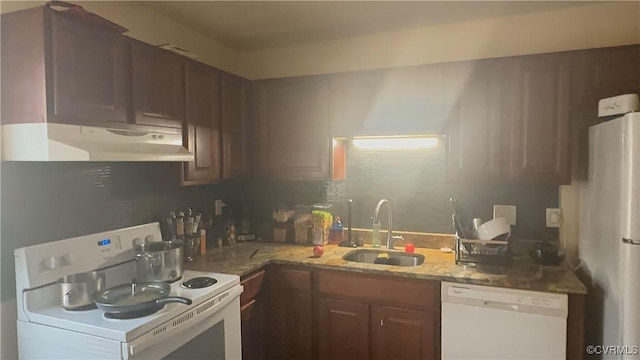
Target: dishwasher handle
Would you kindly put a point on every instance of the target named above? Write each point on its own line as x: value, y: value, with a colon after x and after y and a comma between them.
x: 501, y: 305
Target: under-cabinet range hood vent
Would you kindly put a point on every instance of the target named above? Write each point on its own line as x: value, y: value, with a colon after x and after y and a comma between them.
x: 59, y: 142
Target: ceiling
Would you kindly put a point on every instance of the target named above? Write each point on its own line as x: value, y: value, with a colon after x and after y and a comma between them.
x: 251, y: 25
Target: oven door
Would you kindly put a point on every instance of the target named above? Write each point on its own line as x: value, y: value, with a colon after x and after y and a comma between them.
x: 209, y: 331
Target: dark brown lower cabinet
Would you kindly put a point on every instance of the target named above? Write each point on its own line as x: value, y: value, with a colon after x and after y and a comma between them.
x: 253, y: 306
x: 363, y: 316
x: 290, y: 325
x: 343, y: 329
x: 403, y: 334
x: 252, y: 316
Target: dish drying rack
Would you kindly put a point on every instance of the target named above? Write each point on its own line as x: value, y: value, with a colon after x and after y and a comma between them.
x: 487, y: 252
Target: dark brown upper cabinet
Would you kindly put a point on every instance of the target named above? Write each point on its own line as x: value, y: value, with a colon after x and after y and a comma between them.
x: 201, y: 133
x: 235, y: 126
x: 602, y: 73
x: 353, y: 98
x: 293, y: 128
x: 88, y: 74
x: 58, y: 69
x: 537, y: 98
x: 158, y: 86
x: 411, y: 102
x: 475, y: 121
x: 606, y: 72
x: 399, y: 101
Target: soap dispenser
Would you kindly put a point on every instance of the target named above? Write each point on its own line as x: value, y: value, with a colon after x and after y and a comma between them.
x: 375, y: 236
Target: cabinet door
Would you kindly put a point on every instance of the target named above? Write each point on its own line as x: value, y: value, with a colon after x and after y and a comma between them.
x: 88, y: 76
x: 539, y: 118
x: 343, y: 329
x: 252, y: 316
x: 402, y: 334
x: 202, y: 128
x: 290, y: 325
x: 353, y: 98
x: 235, y: 129
x: 158, y: 86
x: 607, y: 72
x: 293, y: 116
x: 474, y: 126
x: 410, y: 102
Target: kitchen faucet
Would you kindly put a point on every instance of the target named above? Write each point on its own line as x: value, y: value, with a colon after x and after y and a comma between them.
x: 376, y: 222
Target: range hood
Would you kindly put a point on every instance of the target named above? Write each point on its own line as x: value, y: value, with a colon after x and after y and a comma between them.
x: 61, y: 142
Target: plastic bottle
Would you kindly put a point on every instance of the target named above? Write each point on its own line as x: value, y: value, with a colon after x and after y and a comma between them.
x: 375, y: 236
x: 336, y: 234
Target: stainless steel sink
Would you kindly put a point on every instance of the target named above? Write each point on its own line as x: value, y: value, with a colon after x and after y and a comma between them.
x: 395, y: 258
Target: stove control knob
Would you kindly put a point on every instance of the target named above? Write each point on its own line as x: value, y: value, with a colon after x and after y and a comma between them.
x: 50, y: 263
x: 68, y: 259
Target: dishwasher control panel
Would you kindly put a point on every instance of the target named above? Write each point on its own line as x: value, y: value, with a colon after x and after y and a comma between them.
x: 485, y: 295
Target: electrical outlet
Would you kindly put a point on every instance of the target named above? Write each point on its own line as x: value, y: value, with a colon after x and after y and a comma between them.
x: 506, y: 211
x: 554, y: 217
x: 218, y: 204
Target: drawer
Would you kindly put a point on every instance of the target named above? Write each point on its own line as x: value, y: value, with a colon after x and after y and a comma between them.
x: 252, y: 285
x: 246, y: 311
x: 291, y: 279
x: 423, y: 294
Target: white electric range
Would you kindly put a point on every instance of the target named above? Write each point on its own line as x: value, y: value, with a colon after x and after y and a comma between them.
x: 208, y: 328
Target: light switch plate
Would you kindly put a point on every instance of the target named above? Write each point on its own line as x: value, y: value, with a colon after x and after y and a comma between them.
x: 554, y: 217
x: 506, y: 211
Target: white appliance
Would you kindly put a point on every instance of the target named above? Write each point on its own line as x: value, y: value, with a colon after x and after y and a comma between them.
x: 208, y: 328
x: 62, y: 142
x: 481, y: 322
x: 609, y: 242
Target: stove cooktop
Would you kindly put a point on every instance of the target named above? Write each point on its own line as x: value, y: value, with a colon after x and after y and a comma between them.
x: 199, y: 282
x: 94, y: 322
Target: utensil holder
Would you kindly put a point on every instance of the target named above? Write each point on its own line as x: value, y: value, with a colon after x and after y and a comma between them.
x: 191, y: 247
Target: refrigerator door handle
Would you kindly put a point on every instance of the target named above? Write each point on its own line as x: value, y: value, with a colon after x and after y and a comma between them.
x: 631, y: 241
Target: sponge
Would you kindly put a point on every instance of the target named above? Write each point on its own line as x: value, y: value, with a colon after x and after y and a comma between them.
x: 384, y: 259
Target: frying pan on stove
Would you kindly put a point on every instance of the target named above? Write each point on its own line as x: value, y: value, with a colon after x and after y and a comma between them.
x: 133, y: 298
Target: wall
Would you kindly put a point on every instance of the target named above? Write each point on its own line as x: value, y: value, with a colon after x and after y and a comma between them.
x: 152, y: 28
x: 589, y: 26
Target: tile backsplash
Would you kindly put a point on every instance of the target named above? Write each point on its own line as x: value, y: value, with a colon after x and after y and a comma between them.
x: 415, y: 183
x: 43, y: 202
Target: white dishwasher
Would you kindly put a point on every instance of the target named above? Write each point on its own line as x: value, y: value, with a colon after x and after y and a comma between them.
x: 481, y: 322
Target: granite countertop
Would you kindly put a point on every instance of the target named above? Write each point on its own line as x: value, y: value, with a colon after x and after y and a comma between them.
x: 438, y: 266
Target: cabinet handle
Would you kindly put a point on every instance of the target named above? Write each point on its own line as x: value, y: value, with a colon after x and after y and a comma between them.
x: 381, y: 322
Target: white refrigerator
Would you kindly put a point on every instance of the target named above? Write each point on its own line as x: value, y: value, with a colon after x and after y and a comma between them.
x: 609, y: 242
